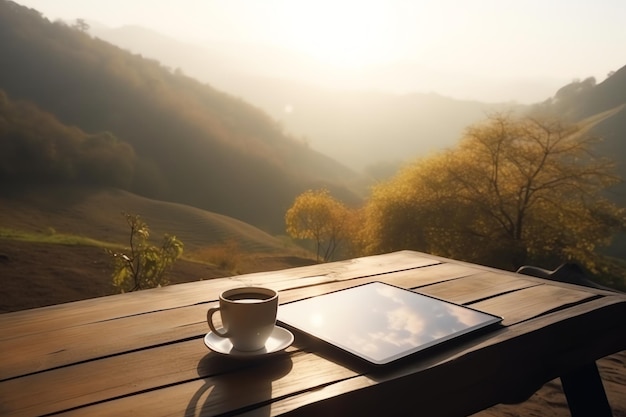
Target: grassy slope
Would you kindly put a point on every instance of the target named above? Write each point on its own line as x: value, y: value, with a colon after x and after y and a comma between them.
x: 38, y: 273
x: 97, y: 213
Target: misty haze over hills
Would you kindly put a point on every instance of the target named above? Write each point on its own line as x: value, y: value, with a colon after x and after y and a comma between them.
x: 354, y: 125
x: 196, y: 143
x: 399, y: 77
x: 156, y: 105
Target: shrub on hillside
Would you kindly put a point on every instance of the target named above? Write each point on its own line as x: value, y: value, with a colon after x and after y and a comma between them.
x: 145, y: 265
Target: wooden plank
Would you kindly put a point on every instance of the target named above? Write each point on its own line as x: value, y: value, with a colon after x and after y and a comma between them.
x: 352, y: 268
x: 297, y: 404
x: 102, y: 379
x: 511, y: 273
x: 481, y: 285
x: 248, y: 386
x: 111, y: 307
x: 113, y: 377
x: 38, y: 352
x: 32, y: 322
x: 412, y: 278
x: 532, y: 302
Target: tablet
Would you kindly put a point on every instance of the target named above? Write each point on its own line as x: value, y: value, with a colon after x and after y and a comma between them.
x: 381, y: 323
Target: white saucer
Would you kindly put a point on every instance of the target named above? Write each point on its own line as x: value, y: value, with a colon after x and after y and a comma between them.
x: 279, y: 339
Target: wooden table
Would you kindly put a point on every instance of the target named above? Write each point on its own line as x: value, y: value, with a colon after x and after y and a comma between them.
x: 143, y: 353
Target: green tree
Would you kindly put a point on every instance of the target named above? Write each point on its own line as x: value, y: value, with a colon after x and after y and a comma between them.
x: 104, y: 159
x: 36, y: 146
x: 514, y: 191
x: 316, y: 215
x: 145, y: 265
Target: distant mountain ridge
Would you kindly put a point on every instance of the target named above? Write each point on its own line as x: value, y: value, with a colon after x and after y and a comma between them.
x: 586, y: 100
x: 194, y: 144
x: 358, y: 128
x: 364, y: 128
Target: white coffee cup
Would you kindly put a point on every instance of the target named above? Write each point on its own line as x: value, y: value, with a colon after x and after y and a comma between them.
x: 248, y: 316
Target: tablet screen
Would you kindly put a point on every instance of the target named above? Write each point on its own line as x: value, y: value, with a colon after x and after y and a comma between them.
x: 380, y: 322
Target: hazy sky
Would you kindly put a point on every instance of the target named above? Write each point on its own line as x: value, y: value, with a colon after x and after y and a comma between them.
x: 538, y: 44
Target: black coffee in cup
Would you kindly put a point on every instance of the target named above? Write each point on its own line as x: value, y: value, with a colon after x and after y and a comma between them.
x: 249, y: 297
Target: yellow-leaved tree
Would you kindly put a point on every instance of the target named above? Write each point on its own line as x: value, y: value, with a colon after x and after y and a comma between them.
x: 515, y: 191
x: 317, y: 216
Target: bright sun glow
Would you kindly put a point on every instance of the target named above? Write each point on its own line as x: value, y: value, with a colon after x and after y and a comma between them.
x: 345, y: 34
x: 487, y: 49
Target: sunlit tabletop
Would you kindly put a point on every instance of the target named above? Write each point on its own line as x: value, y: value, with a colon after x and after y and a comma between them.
x: 143, y: 353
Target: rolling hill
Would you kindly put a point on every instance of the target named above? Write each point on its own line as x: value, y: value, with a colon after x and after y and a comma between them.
x: 37, y: 273
x: 97, y: 213
x: 193, y: 144
x: 587, y: 100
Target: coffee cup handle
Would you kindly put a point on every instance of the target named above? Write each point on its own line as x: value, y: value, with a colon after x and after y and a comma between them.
x: 209, y: 319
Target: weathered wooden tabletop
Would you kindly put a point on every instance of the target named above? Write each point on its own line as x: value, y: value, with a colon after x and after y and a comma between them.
x: 143, y: 353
